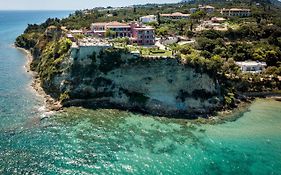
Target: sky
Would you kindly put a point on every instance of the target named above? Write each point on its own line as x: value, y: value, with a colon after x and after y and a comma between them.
x: 70, y: 4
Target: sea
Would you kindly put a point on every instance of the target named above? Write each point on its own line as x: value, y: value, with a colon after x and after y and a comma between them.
x: 108, y: 141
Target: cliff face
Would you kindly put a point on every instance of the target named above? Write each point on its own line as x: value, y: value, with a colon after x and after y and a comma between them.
x: 96, y: 77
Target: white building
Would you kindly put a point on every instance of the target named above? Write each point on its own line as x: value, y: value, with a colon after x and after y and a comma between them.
x: 251, y: 66
x: 148, y: 19
x: 193, y: 10
x: 207, y: 8
x: 85, y: 47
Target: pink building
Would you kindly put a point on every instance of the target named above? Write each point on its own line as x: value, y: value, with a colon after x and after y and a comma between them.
x: 143, y: 35
x: 121, y: 29
x: 138, y: 34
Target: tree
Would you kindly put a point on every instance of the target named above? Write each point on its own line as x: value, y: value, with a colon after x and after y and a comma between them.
x: 191, y: 25
x: 162, y: 31
x: 198, y: 15
x: 110, y: 34
x: 158, y: 19
x: 272, y: 58
x: 181, y: 24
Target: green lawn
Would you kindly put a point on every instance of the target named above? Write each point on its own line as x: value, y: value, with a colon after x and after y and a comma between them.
x: 155, y: 52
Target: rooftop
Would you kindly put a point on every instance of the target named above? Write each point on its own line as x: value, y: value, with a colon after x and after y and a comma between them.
x: 218, y: 19
x: 148, y: 16
x: 236, y: 9
x: 111, y: 24
x: 206, y: 7
x: 250, y: 63
x: 175, y: 14
x: 89, y: 41
x: 144, y: 28
x: 76, y: 31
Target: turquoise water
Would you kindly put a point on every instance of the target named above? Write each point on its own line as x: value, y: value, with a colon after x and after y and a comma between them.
x: 80, y: 141
x: 17, y: 101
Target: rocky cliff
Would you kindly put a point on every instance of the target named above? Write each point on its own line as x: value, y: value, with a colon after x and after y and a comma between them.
x: 95, y: 77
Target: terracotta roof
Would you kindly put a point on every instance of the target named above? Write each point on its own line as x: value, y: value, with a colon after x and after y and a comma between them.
x: 236, y: 9
x: 115, y: 23
x: 111, y: 24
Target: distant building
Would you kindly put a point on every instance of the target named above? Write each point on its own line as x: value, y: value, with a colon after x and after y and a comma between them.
x: 218, y: 20
x: 169, y: 40
x: 137, y: 33
x: 148, y: 19
x: 71, y: 37
x: 175, y: 16
x: 193, y: 10
x: 236, y: 12
x: 251, y: 66
x: 207, y: 8
x: 78, y: 32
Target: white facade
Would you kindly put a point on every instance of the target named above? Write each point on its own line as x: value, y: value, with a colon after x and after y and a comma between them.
x: 193, y: 10
x: 148, y: 19
x: 84, y: 48
x: 251, y: 66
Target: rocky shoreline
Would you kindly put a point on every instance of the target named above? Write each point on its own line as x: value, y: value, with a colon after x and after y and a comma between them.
x: 50, y: 103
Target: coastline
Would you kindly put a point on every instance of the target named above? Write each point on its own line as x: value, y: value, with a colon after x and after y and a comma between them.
x: 222, y: 116
x: 50, y: 103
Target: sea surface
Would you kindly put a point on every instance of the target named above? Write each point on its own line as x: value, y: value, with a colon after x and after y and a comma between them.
x: 80, y: 141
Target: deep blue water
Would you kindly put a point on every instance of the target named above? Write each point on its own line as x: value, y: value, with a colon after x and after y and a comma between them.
x: 80, y: 141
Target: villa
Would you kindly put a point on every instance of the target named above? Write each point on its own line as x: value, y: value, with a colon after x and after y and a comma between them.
x: 121, y: 29
x: 148, y: 19
x: 251, y: 66
x: 175, y: 16
x: 137, y: 33
x: 236, y: 12
x: 142, y: 35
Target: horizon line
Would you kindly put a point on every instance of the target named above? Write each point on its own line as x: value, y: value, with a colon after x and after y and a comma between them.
x: 87, y: 8
x: 38, y: 9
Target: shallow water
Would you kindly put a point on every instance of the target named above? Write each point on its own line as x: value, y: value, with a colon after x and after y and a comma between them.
x: 80, y: 141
